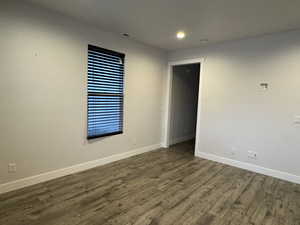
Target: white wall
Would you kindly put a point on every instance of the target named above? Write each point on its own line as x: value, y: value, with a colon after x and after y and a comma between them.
x: 237, y: 114
x: 43, y: 92
x: 185, y: 85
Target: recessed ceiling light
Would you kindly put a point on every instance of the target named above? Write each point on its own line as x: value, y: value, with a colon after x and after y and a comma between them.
x: 180, y: 35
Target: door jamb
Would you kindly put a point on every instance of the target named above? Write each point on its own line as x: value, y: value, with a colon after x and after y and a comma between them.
x: 166, y: 142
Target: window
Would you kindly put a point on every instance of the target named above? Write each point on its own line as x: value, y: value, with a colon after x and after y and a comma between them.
x: 105, y: 92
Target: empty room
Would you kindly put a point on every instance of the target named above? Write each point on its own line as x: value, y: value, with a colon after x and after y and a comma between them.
x: 161, y: 112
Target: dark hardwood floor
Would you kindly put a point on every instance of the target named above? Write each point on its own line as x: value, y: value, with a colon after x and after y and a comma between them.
x: 160, y: 187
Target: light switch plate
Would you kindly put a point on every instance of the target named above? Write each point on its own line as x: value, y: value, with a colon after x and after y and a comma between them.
x: 12, y: 167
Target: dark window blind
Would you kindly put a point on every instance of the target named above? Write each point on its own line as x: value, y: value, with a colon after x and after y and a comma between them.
x: 105, y: 92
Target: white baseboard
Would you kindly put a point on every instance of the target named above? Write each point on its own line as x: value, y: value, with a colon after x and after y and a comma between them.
x: 28, y: 181
x: 251, y: 167
x: 182, y: 139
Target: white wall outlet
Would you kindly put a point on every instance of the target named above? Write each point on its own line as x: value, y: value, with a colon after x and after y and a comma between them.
x: 233, y: 151
x: 134, y: 141
x: 252, y: 155
x: 297, y: 120
x: 12, y: 167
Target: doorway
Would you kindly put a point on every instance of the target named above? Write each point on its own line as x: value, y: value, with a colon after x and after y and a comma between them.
x: 183, y: 105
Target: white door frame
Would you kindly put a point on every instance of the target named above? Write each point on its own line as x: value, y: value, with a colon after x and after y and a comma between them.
x: 166, y: 142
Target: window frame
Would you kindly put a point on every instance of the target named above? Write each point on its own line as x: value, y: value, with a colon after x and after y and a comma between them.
x: 90, y: 93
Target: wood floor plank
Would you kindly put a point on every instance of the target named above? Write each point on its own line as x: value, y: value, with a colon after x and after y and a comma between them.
x: 163, y: 187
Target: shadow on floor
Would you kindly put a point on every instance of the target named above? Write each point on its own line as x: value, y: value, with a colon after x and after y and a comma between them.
x: 187, y: 147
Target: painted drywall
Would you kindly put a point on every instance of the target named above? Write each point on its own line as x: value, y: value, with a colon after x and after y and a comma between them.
x: 237, y: 115
x: 185, y: 85
x: 43, y: 92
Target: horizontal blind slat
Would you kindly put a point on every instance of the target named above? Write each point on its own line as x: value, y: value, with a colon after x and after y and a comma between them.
x: 102, y: 54
x: 104, y: 78
x: 99, y: 73
x: 116, y: 69
x: 104, y: 60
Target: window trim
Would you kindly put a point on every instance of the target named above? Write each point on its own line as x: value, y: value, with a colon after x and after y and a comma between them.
x: 122, y: 56
x: 104, y: 135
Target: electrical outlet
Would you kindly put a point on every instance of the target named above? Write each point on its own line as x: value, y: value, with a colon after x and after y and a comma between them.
x: 252, y: 155
x: 134, y: 141
x: 297, y: 120
x: 233, y: 151
x: 12, y: 167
